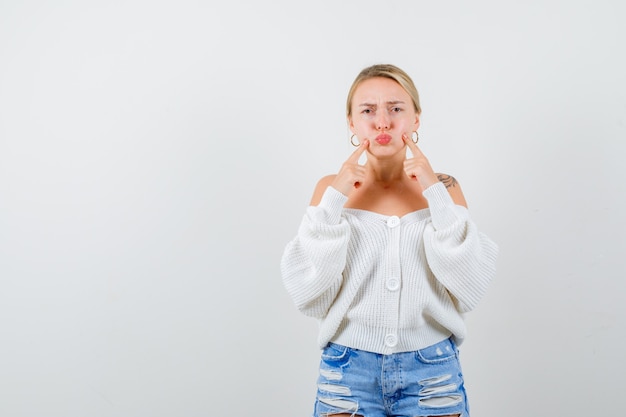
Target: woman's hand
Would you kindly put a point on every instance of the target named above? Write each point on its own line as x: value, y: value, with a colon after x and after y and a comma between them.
x: 351, y: 175
x: 417, y: 167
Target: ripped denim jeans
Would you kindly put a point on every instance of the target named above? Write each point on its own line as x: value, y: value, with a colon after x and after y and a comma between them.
x: 427, y: 382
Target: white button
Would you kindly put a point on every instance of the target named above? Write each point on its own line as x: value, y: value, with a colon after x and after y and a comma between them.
x: 391, y: 340
x: 393, y: 221
x: 393, y: 284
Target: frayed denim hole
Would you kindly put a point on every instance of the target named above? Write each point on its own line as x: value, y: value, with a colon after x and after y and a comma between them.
x: 441, y: 402
x: 436, y: 380
x: 335, y: 389
x: 331, y: 375
x: 437, y: 390
x: 341, y: 405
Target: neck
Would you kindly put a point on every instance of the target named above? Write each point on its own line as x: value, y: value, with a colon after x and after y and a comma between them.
x: 388, y: 170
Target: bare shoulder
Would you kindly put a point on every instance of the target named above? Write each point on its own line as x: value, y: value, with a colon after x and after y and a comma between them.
x: 453, y: 187
x: 320, y: 188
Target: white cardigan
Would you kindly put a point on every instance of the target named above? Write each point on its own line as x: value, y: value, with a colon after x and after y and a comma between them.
x: 387, y: 284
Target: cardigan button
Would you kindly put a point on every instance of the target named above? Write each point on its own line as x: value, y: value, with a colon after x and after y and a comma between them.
x: 393, y: 221
x: 391, y: 340
x: 393, y: 284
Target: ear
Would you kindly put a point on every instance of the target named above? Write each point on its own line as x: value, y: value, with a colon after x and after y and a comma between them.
x: 416, y: 124
x: 350, y: 124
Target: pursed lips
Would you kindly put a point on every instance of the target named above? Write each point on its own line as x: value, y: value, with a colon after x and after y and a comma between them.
x: 383, y: 139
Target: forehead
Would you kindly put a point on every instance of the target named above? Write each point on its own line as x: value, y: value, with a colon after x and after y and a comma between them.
x: 380, y: 88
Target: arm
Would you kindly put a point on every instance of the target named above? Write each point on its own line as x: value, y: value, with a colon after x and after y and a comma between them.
x: 462, y: 259
x: 313, y: 262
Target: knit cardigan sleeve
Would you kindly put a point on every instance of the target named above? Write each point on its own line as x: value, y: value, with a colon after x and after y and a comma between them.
x: 313, y: 262
x: 462, y: 258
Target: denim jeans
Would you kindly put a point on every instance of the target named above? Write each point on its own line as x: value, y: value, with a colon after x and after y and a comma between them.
x: 426, y: 382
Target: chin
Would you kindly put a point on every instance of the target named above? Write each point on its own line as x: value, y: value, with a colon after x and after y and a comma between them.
x: 386, y: 151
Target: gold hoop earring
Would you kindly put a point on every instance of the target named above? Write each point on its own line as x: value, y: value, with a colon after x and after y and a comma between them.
x: 415, y: 137
x: 356, y: 145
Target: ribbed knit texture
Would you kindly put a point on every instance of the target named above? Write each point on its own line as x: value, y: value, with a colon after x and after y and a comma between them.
x: 386, y: 284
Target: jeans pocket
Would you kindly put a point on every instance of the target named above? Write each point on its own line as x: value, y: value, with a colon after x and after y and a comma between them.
x: 336, y: 355
x: 439, y: 352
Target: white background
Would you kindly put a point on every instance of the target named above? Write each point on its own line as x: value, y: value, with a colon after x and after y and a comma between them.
x: 155, y: 158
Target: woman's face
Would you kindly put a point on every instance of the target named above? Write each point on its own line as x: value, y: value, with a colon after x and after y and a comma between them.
x: 382, y: 111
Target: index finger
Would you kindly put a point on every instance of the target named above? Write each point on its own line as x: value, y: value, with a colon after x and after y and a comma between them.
x: 412, y: 146
x: 354, y: 158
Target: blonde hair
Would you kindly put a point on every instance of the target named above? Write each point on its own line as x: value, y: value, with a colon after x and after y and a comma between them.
x: 386, y: 71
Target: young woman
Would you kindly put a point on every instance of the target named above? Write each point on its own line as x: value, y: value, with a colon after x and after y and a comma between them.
x: 388, y: 259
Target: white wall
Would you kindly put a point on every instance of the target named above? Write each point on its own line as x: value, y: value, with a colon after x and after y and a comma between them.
x: 155, y: 158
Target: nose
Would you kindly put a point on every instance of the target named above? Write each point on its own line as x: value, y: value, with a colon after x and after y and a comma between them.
x: 382, y: 122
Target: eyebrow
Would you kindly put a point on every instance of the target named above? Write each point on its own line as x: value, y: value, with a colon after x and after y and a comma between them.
x: 392, y: 102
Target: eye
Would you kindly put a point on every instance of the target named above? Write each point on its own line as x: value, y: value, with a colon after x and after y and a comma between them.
x: 396, y: 109
x: 366, y: 111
